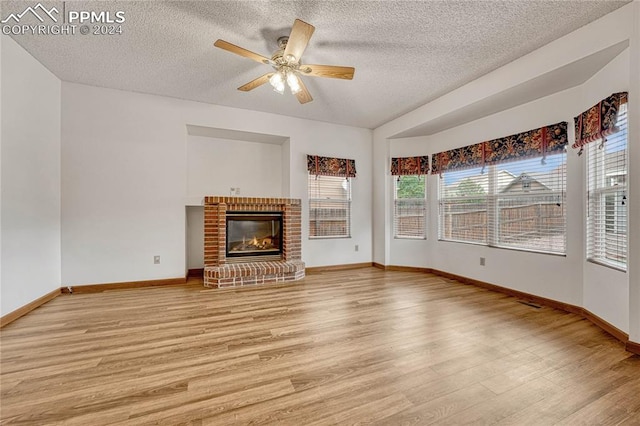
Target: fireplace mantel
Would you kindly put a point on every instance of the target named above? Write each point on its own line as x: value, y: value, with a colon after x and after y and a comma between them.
x: 222, y: 272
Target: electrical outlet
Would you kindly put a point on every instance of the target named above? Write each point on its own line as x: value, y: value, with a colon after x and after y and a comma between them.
x: 237, y: 190
x: 482, y: 261
x: 357, y: 247
x: 156, y: 260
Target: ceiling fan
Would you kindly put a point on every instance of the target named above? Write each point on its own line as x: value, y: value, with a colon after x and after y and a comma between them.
x: 286, y: 63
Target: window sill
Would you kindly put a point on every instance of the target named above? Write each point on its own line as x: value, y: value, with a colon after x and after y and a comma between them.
x: 608, y: 265
x: 409, y: 238
x: 550, y: 253
x: 331, y: 237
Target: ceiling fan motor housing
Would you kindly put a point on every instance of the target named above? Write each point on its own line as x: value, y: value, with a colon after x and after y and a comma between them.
x: 279, y: 58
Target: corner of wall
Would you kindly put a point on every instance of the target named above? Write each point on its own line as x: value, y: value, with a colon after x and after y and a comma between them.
x: 30, y: 194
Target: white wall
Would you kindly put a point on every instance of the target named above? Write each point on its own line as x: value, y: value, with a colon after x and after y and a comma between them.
x: 381, y: 201
x: 568, y: 279
x: 285, y: 162
x: 195, y: 237
x: 124, y: 179
x: 30, y: 224
x: 216, y: 165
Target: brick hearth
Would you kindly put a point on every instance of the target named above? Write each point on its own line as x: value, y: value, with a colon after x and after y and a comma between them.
x: 219, y: 272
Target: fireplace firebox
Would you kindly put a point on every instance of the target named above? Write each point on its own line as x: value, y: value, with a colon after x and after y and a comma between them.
x: 254, y: 234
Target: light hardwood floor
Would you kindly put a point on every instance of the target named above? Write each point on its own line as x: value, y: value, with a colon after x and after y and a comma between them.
x: 341, y: 347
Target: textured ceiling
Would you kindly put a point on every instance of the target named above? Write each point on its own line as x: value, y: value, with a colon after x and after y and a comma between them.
x: 405, y: 53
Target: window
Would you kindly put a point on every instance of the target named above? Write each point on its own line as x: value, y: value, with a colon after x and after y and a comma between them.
x: 607, y: 197
x: 409, y: 215
x: 463, y: 205
x: 329, y: 207
x: 518, y: 204
x: 530, y: 204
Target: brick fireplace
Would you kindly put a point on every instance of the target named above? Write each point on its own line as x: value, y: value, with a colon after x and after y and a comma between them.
x: 222, y: 271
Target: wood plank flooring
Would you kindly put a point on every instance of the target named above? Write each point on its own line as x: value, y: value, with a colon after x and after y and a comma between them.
x: 344, y: 347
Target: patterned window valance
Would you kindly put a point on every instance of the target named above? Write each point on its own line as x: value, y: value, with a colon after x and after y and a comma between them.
x: 533, y: 143
x: 410, y: 166
x: 599, y: 121
x: 328, y: 166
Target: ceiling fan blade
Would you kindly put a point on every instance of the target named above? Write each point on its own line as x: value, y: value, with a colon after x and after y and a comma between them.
x: 256, y: 83
x: 229, y: 47
x: 298, y: 39
x: 329, y: 71
x: 303, y: 95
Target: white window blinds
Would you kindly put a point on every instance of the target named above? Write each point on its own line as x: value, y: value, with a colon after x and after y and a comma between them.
x: 329, y: 207
x: 530, y: 205
x: 409, y: 217
x: 463, y: 205
x: 517, y: 204
x: 607, y: 197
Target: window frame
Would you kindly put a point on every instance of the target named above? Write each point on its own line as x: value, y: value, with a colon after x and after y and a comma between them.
x: 443, y: 204
x: 423, y: 200
x: 315, y: 221
x: 600, y: 188
x: 494, y: 202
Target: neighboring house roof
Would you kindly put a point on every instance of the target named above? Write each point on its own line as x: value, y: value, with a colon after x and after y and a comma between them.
x: 482, y: 180
x: 507, y: 182
x: 521, y: 179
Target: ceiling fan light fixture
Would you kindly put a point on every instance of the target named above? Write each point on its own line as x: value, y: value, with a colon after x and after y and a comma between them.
x: 277, y: 82
x: 293, y: 82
